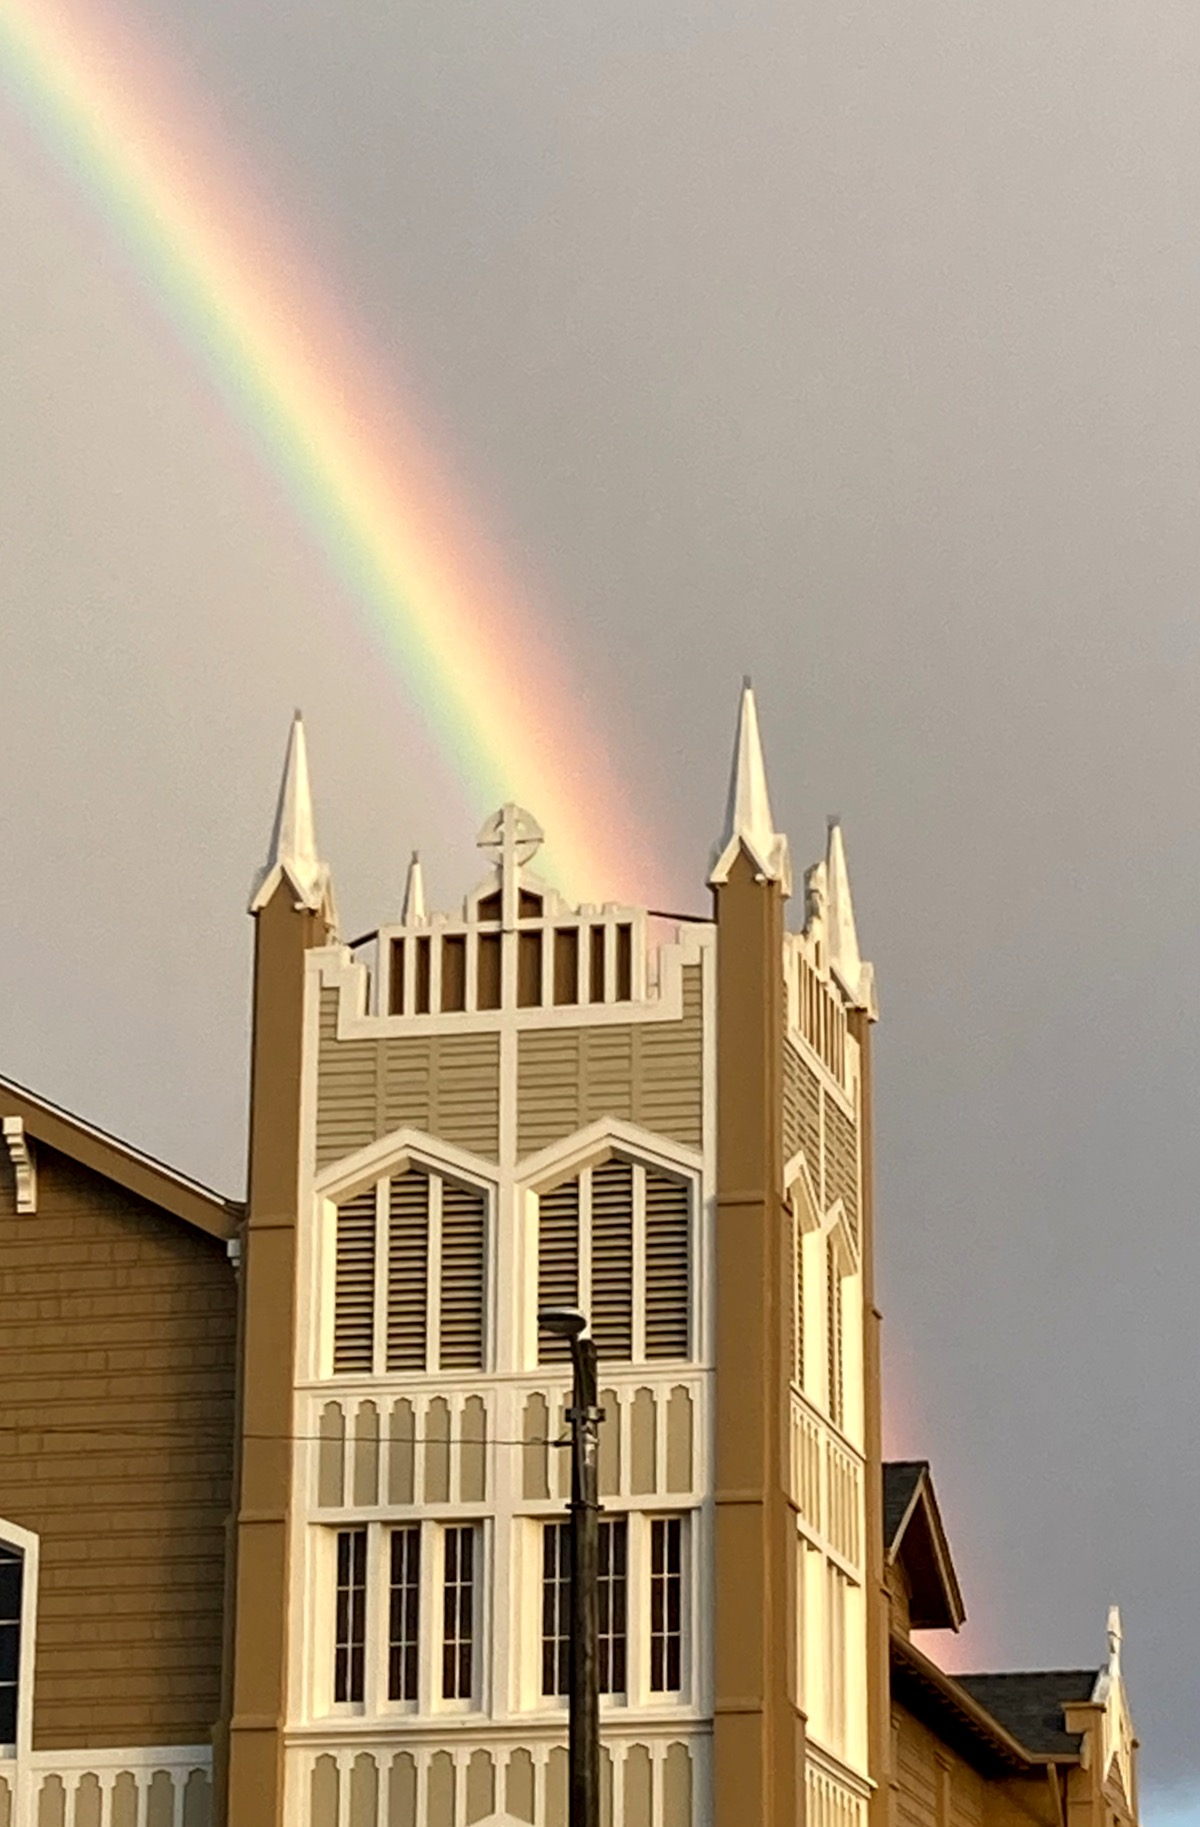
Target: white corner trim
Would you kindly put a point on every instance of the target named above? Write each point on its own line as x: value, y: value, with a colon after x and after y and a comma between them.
x: 20, y: 1153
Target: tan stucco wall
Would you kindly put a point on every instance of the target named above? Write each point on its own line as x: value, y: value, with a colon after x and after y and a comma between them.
x: 118, y: 1322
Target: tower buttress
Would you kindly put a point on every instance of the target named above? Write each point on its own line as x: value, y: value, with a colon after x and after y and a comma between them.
x: 292, y: 906
x: 857, y: 979
x: 758, y: 1729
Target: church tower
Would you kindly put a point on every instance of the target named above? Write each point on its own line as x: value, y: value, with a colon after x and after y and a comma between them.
x: 459, y: 1120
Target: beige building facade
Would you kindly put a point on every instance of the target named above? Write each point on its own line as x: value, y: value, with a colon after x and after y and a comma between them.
x: 304, y: 1562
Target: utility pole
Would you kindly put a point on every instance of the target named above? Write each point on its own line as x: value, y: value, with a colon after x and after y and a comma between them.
x: 584, y: 1700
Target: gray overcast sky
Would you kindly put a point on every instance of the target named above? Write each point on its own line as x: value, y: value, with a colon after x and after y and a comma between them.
x: 852, y: 346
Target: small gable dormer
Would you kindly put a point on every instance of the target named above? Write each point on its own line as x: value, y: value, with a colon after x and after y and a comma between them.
x: 919, y: 1569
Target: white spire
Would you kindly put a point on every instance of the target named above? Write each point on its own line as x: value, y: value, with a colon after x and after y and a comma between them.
x: 414, y: 893
x: 748, y: 821
x: 845, y: 958
x: 1114, y: 1639
x: 293, y: 853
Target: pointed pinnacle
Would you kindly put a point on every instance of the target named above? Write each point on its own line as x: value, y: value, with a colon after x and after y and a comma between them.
x: 748, y: 820
x: 293, y: 850
x: 414, y: 893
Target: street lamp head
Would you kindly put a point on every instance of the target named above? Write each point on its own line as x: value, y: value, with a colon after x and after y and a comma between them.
x: 563, y: 1322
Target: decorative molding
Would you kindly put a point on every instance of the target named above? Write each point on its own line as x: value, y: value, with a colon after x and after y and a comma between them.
x: 20, y: 1153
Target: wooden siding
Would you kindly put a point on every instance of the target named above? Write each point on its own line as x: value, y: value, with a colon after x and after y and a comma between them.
x: 119, y: 1322
x: 801, y: 1112
x: 651, y: 1073
x: 445, y: 1084
x: 933, y: 1785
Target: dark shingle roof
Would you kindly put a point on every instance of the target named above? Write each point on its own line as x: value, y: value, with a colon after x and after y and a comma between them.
x: 913, y: 1535
x: 900, y: 1479
x: 1030, y: 1705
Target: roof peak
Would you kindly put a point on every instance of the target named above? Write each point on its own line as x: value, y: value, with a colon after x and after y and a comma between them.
x: 856, y: 977
x: 749, y: 825
x: 293, y: 854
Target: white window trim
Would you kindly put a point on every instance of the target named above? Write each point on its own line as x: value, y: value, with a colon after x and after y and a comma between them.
x: 638, y: 1696
x: 438, y: 1172
x: 641, y: 1160
x: 25, y: 1542
x: 375, y: 1703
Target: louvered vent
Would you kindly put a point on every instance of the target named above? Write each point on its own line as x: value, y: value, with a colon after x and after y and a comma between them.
x: 354, y: 1286
x: 834, y: 1339
x: 408, y: 1271
x: 668, y: 1276
x: 462, y: 1278
x: 558, y: 1259
x: 612, y: 1259
x: 798, y: 1308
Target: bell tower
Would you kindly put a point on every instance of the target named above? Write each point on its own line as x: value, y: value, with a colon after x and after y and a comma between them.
x: 292, y: 908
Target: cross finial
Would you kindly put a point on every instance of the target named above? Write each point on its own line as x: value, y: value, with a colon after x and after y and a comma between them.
x: 1114, y: 1637
x: 513, y: 837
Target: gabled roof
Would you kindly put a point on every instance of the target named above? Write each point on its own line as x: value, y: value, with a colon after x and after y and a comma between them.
x: 1030, y: 1704
x: 914, y: 1538
x: 117, y: 1161
x: 954, y: 1715
x: 999, y: 1723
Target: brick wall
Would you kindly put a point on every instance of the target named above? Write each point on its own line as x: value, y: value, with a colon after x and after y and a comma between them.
x: 117, y: 1342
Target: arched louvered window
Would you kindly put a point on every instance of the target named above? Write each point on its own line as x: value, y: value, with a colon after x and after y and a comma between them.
x: 797, y: 1303
x: 410, y: 1279
x: 617, y: 1242
x: 834, y: 1337
x: 668, y: 1266
x: 612, y: 1259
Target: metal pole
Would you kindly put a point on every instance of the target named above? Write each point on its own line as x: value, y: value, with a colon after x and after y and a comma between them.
x: 584, y: 1729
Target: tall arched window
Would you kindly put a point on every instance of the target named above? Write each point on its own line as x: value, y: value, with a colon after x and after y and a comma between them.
x: 616, y: 1242
x: 410, y: 1276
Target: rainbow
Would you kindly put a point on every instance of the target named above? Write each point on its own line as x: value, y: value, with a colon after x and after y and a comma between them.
x: 472, y: 654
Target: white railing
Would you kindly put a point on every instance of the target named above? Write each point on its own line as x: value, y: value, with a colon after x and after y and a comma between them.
x: 150, y: 1786
x: 660, y: 1777
x: 376, y: 1446
x: 826, y: 1484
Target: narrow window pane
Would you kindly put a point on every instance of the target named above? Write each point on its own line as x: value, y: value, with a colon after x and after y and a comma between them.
x: 566, y: 965
x: 454, y: 972
x: 624, y: 963
x: 350, y: 1615
x: 458, y: 1614
x: 666, y: 1604
x: 487, y: 987
x: 404, y: 1614
x: 612, y: 1596
x: 556, y: 1608
x: 396, y: 978
x: 529, y: 970
x: 597, y: 960
x: 421, y: 986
